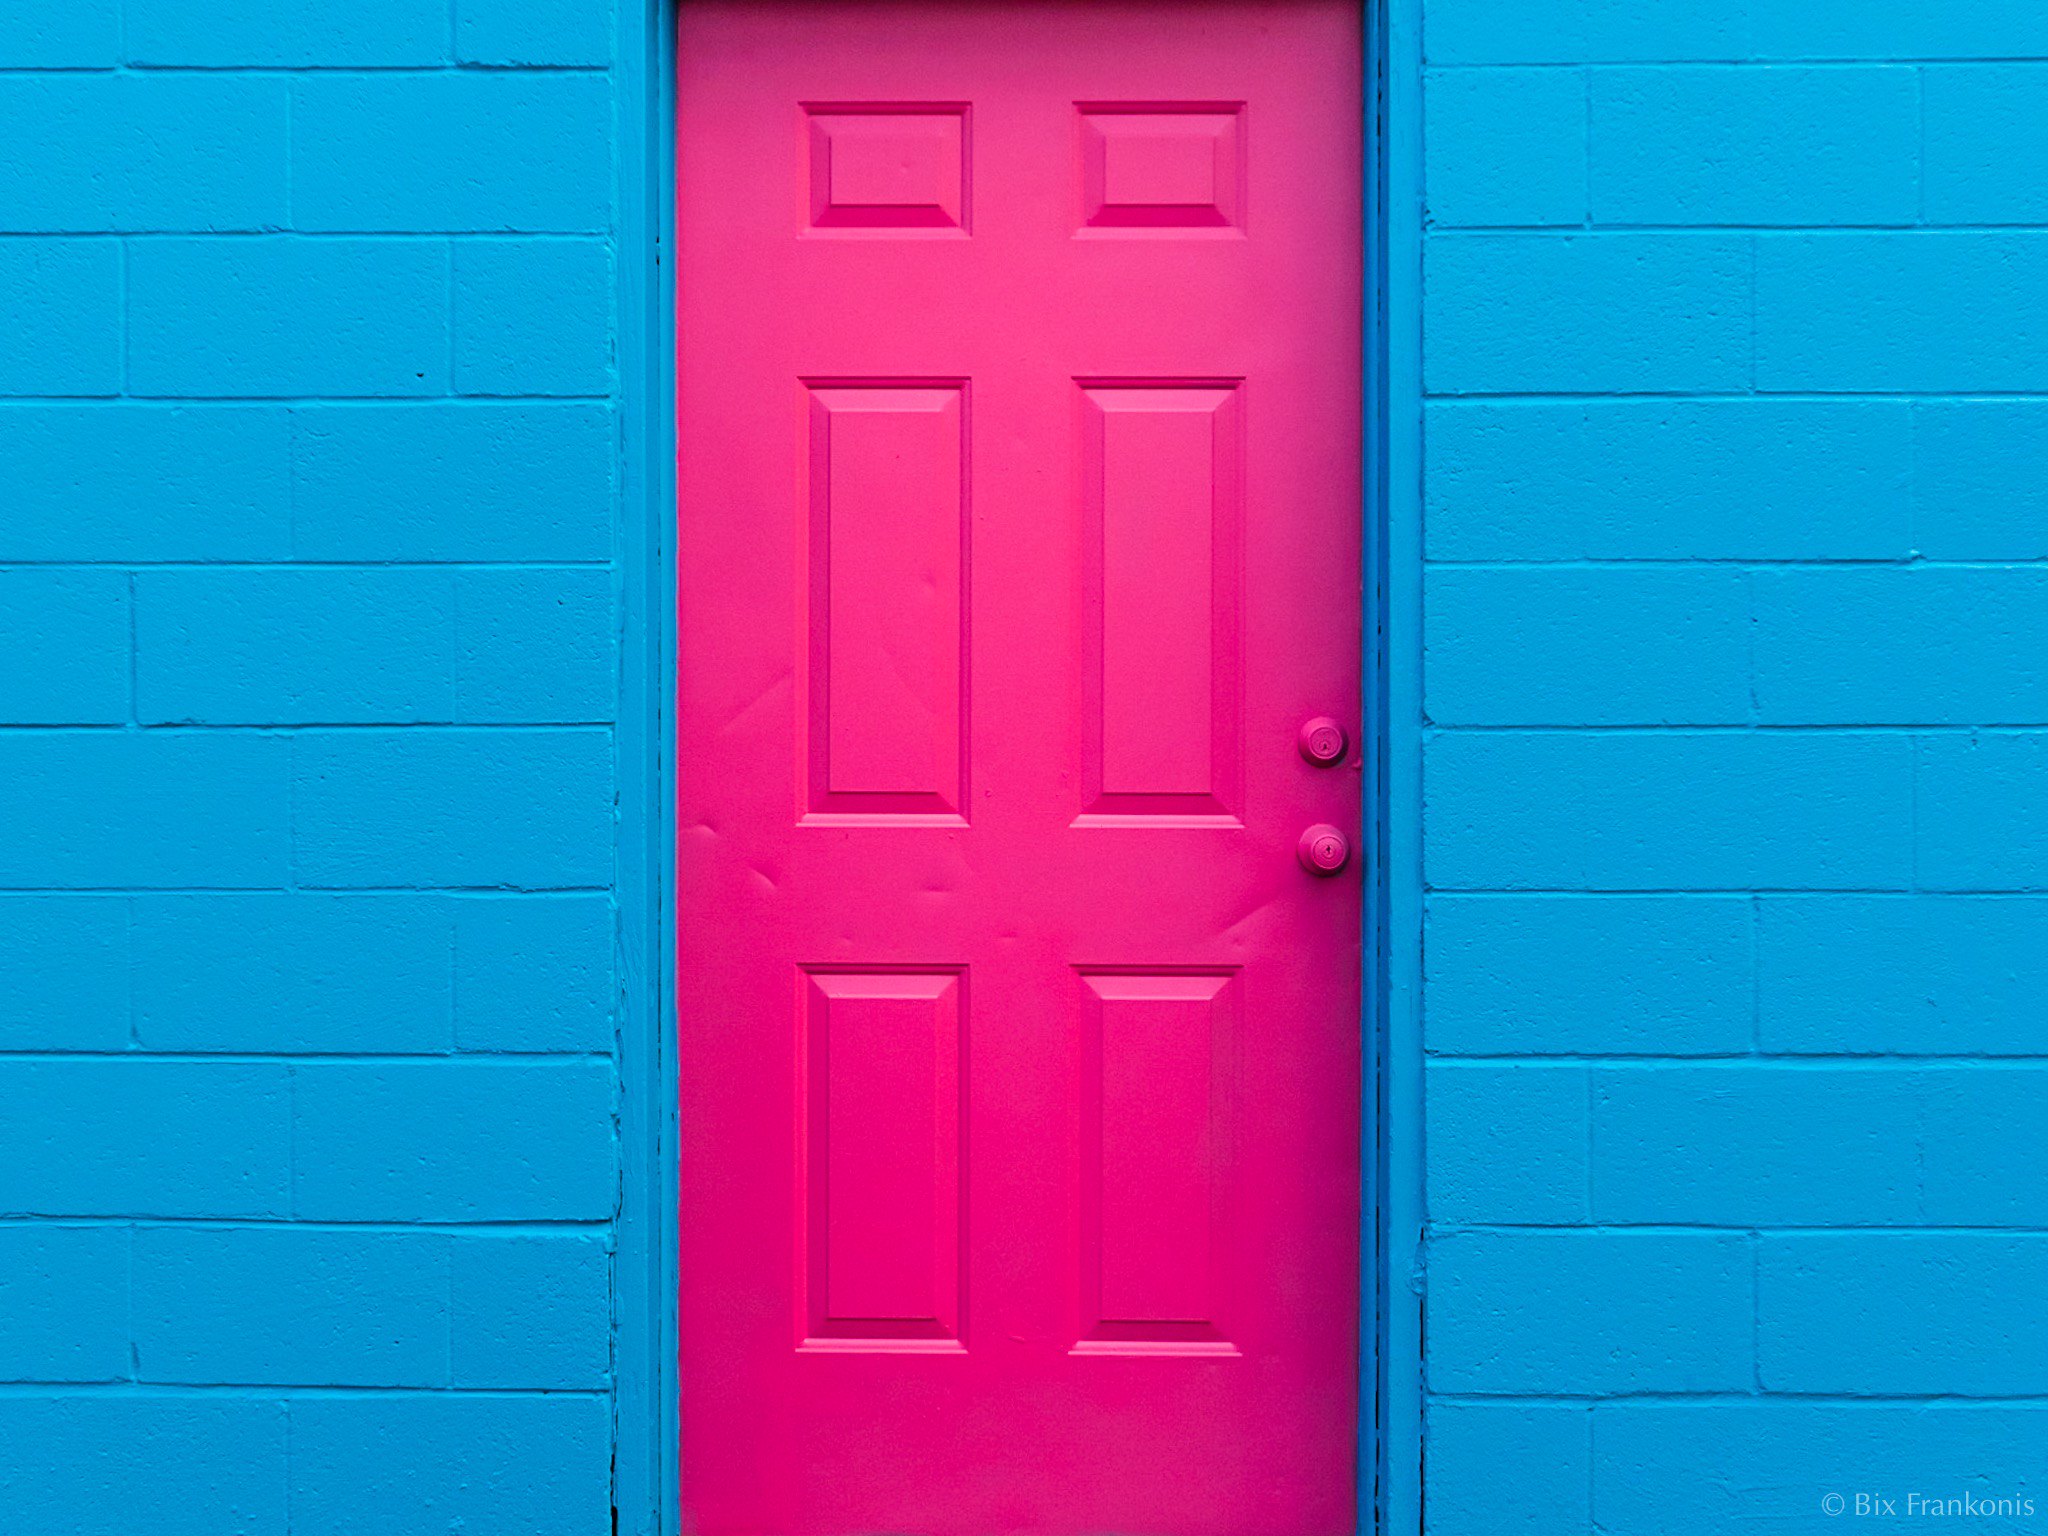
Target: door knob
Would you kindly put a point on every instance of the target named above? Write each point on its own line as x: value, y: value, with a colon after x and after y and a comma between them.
x: 1324, y: 849
x: 1323, y: 741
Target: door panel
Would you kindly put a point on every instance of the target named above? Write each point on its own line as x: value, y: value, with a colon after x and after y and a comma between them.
x: 887, y: 564
x: 1019, y: 481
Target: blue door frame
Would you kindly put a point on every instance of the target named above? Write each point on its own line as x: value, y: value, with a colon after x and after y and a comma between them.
x: 646, y: 1475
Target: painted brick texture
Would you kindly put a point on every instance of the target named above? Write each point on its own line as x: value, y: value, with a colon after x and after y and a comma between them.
x: 309, y: 464
x: 1736, y: 755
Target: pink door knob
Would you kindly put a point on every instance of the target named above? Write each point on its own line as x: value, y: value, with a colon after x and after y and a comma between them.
x: 1324, y: 850
x: 1323, y: 741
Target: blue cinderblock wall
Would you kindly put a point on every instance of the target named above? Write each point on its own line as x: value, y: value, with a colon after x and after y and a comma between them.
x: 1736, y: 436
x: 308, y: 673
x: 1736, y: 820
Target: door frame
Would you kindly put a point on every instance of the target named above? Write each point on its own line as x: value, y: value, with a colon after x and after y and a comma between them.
x: 646, y: 1472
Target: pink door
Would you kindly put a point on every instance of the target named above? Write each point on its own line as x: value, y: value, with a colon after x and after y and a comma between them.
x: 1020, y: 519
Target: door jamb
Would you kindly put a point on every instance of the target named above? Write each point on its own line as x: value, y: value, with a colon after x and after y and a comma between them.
x: 646, y: 1427
x: 1393, y: 1216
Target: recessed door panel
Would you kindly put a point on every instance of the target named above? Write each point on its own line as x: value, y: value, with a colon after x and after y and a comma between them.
x: 1157, y: 1183
x: 1018, y: 541
x: 881, y: 1168
x: 1164, y: 551
x: 888, y: 562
